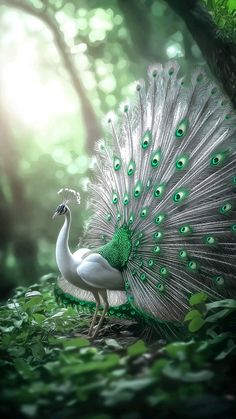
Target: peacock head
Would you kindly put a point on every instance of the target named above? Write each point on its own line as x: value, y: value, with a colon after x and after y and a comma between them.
x: 61, y: 209
x: 68, y: 195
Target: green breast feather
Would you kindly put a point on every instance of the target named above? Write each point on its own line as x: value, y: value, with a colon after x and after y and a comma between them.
x: 118, y: 250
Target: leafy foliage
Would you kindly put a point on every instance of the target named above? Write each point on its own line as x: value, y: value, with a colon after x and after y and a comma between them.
x: 224, y: 14
x: 49, y: 366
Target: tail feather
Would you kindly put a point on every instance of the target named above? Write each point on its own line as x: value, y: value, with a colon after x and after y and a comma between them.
x: 169, y: 175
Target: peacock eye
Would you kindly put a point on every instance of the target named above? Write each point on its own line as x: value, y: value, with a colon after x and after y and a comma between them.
x: 159, y: 218
x: 131, y: 168
x: 218, y: 159
x: 180, y: 195
x: 131, y: 219
x: 137, y: 189
x: 192, y: 265
x: 144, y: 212
x: 126, y: 199
x: 226, y: 208
x: 116, y: 163
x: 181, y: 162
x: 159, y: 191
x: 183, y: 254
x: 155, y: 158
x: 158, y: 235
x: 160, y: 287
x: 114, y: 198
x: 146, y: 139
x: 219, y: 280
x: 164, y: 272
x: 156, y: 249
x: 185, y: 230
x: 182, y: 128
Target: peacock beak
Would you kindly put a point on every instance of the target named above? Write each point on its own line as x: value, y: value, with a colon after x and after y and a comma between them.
x: 55, y: 214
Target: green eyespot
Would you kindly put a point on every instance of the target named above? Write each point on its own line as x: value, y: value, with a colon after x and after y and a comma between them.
x: 160, y: 287
x: 131, y: 168
x: 150, y: 262
x: 144, y: 212
x: 158, y: 235
x: 118, y: 217
x: 108, y: 217
x: 156, y: 250
x: 126, y: 199
x: 114, y: 198
x: 116, y: 163
x: 183, y: 254
x: 138, y: 189
x: 182, y: 162
x: 155, y: 159
x: 219, y: 280
x: 185, y: 230
x: 159, y: 191
x: 233, y: 228
x: 218, y: 158
x: 192, y: 265
x: 180, y: 195
x: 146, y: 139
x: 143, y: 277
x: 131, y: 219
x: 164, y: 272
x: 226, y: 208
x: 182, y: 128
x: 159, y: 218
x: 210, y: 240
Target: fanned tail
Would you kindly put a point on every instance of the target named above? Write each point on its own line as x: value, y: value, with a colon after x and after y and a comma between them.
x: 169, y: 176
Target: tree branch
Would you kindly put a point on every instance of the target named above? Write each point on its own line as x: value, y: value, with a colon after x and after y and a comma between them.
x: 218, y: 49
x: 89, y: 116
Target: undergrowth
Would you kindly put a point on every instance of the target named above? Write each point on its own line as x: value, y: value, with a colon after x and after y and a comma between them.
x: 49, y: 367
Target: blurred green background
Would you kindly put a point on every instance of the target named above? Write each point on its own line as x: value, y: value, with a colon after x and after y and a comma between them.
x: 64, y: 65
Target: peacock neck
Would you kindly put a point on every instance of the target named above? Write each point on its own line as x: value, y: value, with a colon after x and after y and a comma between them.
x: 64, y: 256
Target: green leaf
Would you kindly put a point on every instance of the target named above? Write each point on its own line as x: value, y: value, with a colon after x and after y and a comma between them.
x: 198, y: 298
x: 109, y: 362
x: 178, y: 349
x: 196, y: 324
x: 38, y: 350
x: 231, y: 4
x: 191, y: 314
x: 198, y: 376
x: 33, y: 302
x: 138, y: 348
x: 231, y: 345
x: 158, y: 366
x: 75, y: 343
x: 23, y: 368
x: 217, y: 316
x: 39, y: 318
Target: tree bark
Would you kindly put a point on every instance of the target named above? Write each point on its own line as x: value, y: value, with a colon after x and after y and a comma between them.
x: 217, y: 48
x: 93, y: 131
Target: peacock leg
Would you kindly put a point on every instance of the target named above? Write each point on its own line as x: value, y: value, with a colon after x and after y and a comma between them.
x: 103, y: 295
x: 97, y: 298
